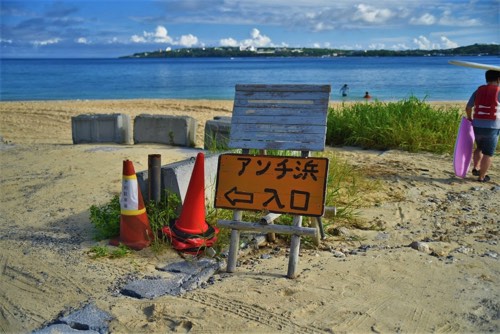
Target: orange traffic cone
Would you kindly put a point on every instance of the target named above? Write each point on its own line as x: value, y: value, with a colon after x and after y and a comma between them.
x: 191, y: 233
x: 135, y: 231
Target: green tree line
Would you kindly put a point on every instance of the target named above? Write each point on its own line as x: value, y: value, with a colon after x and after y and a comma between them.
x: 470, y: 50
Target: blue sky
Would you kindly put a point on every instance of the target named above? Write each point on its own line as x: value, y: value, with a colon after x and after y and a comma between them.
x: 113, y: 28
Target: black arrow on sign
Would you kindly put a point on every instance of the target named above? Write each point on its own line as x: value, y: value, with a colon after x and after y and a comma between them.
x: 234, y: 196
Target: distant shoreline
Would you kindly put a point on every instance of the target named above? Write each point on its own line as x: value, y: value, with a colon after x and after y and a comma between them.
x: 280, y: 52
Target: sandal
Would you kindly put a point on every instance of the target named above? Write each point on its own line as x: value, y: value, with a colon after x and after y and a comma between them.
x: 475, y: 172
x: 486, y: 179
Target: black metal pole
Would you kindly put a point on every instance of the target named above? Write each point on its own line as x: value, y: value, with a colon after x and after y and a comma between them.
x: 154, y: 177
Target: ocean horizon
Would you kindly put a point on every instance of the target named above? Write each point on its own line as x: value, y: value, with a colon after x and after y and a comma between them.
x: 385, y: 78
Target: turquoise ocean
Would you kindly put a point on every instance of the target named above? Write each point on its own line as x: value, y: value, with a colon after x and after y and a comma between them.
x: 386, y: 78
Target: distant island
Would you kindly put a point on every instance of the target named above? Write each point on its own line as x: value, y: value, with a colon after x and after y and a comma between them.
x: 228, y: 52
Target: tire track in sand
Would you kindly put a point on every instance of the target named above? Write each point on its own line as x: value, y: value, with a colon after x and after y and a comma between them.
x: 250, y: 312
x: 12, y: 278
x: 41, y: 286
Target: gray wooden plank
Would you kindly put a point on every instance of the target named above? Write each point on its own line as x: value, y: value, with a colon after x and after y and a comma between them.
x: 317, y: 120
x: 299, y: 104
x: 308, y: 129
x: 275, y: 145
x: 253, y: 132
x: 283, y: 137
x: 284, y: 87
x: 270, y: 95
x: 275, y: 111
x: 282, y: 229
x: 280, y: 117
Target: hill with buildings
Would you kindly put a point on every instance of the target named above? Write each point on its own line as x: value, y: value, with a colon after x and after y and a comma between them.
x: 471, y: 50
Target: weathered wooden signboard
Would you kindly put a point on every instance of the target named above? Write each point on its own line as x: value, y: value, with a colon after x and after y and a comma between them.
x: 279, y: 184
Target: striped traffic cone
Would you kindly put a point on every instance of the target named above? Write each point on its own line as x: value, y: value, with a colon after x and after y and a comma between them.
x: 191, y: 233
x: 135, y: 231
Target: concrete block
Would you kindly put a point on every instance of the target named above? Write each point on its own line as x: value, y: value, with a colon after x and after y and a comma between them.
x: 62, y: 328
x: 162, y: 129
x: 190, y: 268
x: 153, y: 288
x: 88, y: 320
x: 90, y: 317
x: 175, y: 178
x: 101, y: 128
x: 217, y: 133
x: 186, y: 276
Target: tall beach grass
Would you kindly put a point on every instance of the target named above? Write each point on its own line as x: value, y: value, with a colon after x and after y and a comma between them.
x: 410, y: 125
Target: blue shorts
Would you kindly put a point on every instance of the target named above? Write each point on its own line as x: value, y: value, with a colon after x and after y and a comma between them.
x: 486, y: 140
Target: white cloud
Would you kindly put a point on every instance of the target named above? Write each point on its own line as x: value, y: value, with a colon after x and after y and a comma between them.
x: 351, y: 47
x: 138, y: 39
x: 403, y: 12
x: 7, y: 41
x: 425, y: 43
x: 82, y: 40
x: 426, y: 20
x: 376, y: 46
x: 422, y: 42
x: 400, y: 46
x: 188, y: 40
x: 314, y: 19
x: 46, y: 42
x: 257, y: 40
x: 448, y: 20
x: 447, y: 43
x: 371, y: 14
x: 322, y: 26
x: 160, y: 35
x: 228, y: 42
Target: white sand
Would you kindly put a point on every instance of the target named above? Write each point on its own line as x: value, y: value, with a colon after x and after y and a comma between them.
x: 47, y: 186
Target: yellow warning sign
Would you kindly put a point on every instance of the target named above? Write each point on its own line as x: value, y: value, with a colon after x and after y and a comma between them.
x: 278, y: 184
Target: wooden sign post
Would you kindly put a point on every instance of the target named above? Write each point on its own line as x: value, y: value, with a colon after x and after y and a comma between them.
x: 282, y: 117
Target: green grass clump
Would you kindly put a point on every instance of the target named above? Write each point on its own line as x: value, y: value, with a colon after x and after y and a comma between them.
x: 103, y: 251
x: 106, y: 219
x: 345, y: 186
x: 411, y: 125
x: 99, y: 252
x: 160, y: 214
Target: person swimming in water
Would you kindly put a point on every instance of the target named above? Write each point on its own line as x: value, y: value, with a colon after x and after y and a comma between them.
x: 344, y: 90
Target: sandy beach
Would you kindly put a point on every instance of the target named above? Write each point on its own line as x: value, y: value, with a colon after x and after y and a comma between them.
x: 364, y: 279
